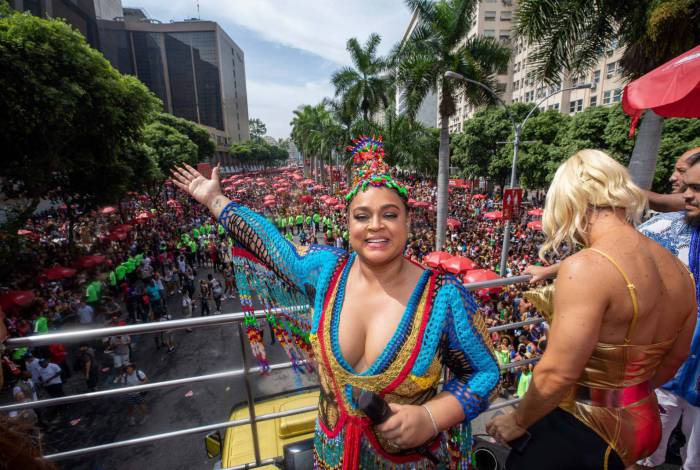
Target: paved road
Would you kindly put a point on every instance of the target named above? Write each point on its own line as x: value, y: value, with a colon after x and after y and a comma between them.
x: 203, y: 351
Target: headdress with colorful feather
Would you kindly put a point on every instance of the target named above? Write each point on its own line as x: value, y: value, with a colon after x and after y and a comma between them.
x: 369, y: 167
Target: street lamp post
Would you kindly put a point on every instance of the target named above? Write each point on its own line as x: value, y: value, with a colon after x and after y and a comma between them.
x: 517, y: 128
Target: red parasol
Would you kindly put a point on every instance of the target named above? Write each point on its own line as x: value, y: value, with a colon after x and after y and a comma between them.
x: 479, y: 275
x: 535, y: 225
x: 241, y: 191
x: 306, y: 199
x: 495, y: 215
x: 281, y: 190
x: 108, y: 210
x: 453, y: 224
x: 144, y: 215
x: 536, y: 212
x: 339, y: 207
x: 117, y: 235
x: 269, y: 202
x: 89, y: 261
x: 308, y: 181
x: 479, y: 196
x: 16, y: 298
x: 58, y: 272
x: 435, y: 258
x: 458, y: 265
x: 670, y: 90
x: 26, y: 233
x: 331, y: 201
x: 411, y: 202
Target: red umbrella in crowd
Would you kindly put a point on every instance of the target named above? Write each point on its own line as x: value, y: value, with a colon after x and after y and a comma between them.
x: 306, y: 199
x: 340, y: 207
x: 480, y: 275
x: 331, y: 201
x: 58, y: 273
x: 241, y: 191
x: 459, y: 265
x: 319, y: 187
x: 479, y: 196
x: 535, y: 212
x: 308, y: 181
x: 144, y: 216
x: 411, y: 202
x: 453, y: 224
x: 670, y: 90
x: 16, y: 298
x: 535, y: 225
x: 89, y: 261
x: 117, y: 235
x: 108, y: 210
x: 495, y: 215
x: 269, y: 202
x: 281, y: 190
x: 435, y: 258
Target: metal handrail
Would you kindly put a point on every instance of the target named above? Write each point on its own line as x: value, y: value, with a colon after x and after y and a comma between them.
x: 78, y: 335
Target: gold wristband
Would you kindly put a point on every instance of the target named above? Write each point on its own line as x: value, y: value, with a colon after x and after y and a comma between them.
x: 432, y: 419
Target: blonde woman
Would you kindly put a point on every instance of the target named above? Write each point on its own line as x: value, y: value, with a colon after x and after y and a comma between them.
x: 624, y: 315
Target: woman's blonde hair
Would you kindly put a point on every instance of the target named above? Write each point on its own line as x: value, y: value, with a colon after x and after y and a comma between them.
x: 588, y: 179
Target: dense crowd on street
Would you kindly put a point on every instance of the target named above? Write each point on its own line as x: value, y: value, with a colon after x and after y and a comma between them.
x: 125, y: 263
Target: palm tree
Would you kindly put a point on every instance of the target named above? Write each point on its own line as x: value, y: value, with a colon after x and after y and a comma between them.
x: 441, y: 43
x: 302, y: 123
x: 570, y: 35
x: 364, y: 88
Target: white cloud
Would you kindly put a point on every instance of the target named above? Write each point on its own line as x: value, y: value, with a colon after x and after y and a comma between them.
x: 318, y: 26
x: 274, y: 103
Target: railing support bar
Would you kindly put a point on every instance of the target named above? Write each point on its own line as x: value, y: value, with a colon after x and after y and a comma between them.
x: 249, y: 394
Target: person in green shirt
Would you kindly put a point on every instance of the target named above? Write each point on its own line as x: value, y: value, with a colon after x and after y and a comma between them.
x: 41, y: 324
x: 121, y: 272
x: 299, y: 222
x: 289, y: 236
x: 524, y: 381
x: 308, y: 222
x: 317, y: 220
x: 112, y: 279
x: 290, y: 223
x: 196, y: 234
x: 222, y: 230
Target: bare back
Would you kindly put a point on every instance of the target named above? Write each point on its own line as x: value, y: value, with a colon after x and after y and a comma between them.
x: 663, y: 287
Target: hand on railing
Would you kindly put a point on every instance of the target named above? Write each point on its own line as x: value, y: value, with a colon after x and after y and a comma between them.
x: 541, y: 273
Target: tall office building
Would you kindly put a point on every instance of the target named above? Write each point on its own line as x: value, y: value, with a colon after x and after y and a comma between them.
x: 193, y: 66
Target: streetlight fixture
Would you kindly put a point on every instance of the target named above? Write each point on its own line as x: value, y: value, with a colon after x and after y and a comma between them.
x: 517, y: 128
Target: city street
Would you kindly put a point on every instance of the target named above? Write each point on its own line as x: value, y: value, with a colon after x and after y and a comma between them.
x: 202, y: 351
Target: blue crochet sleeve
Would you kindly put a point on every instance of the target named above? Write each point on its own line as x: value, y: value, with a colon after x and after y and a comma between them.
x: 298, y: 266
x: 466, y: 352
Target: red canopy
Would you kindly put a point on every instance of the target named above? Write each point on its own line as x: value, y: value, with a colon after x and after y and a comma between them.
x: 306, y: 198
x: 308, y: 181
x: 25, y: 233
x: 16, y: 298
x: 535, y: 225
x: 89, y: 261
x: 331, y: 201
x: 339, y: 207
x: 454, y: 224
x: 435, y: 258
x: 117, y: 235
x: 535, y: 212
x: 459, y: 264
x: 108, y: 210
x: 58, y: 272
x: 479, y: 275
x: 671, y: 90
x: 495, y: 215
x: 479, y: 196
x: 269, y: 202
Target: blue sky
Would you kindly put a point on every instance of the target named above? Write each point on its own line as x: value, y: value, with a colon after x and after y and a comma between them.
x: 291, y: 47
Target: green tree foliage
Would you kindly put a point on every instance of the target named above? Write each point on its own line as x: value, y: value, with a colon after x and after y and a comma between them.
x: 67, y: 116
x: 200, y: 137
x: 551, y: 137
x: 169, y: 146
x: 258, y: 129
x: 366, y: 87
x: 258, y: 153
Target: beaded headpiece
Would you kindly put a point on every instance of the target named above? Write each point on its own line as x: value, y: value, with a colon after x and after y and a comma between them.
x: 369, y: 167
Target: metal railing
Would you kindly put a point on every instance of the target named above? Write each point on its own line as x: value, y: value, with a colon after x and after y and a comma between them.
x: 199, y: 322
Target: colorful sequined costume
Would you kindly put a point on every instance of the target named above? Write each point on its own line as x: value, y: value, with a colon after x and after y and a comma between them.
x: 440, y: 327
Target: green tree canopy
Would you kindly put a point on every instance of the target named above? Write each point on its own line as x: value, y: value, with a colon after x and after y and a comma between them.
x: 67, y: 115
x: 258, y: 129
x: 200, y: 137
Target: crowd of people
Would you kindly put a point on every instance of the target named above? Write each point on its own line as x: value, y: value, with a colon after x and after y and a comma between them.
x: 149, y: 250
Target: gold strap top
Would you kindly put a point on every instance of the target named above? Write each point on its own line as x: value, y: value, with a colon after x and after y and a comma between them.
x: 632, y: 291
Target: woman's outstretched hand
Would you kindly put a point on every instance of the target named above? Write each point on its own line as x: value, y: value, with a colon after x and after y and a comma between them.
x: 206, y: 191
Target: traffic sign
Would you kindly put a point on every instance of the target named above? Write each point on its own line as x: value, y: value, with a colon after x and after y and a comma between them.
x: 512, y: 202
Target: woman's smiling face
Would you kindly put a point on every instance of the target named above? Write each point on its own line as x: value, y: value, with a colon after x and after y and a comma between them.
x: 378, y: 225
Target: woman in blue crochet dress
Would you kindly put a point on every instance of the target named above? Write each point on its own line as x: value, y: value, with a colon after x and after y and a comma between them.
x: 380, y: 323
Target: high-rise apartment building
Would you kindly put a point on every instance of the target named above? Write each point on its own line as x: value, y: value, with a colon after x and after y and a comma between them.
x: 605, y: 79
x: 193, y: 66
x: 493, y: 19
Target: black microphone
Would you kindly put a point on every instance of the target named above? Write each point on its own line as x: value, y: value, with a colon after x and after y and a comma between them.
x: 378, y: 411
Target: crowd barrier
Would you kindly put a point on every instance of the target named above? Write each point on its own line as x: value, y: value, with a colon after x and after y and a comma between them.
x: 245, y: 372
